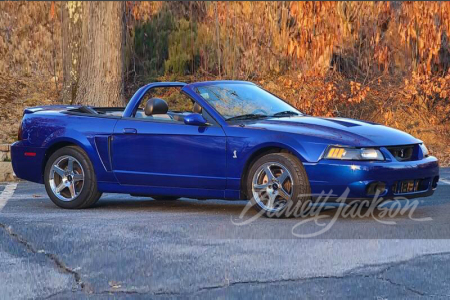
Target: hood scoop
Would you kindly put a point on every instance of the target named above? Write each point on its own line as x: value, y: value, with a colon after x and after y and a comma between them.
x: 341, y: 122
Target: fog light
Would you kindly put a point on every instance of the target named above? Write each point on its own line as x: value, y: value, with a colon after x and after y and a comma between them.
x: 376, y: 187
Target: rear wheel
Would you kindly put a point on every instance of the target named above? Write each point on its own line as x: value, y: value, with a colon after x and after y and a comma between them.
x: 275, y: 181
x: 70, y: 180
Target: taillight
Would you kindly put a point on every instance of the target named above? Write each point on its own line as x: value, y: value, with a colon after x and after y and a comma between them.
x: 19, y: 134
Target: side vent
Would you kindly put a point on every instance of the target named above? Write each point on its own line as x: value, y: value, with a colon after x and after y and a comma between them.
x: 102, y: 144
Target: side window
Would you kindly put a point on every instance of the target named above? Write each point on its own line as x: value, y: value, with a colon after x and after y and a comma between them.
x: 179, y: 104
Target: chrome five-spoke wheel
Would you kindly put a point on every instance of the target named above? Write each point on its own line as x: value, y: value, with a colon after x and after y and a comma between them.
x: 272, y: 186
x: 66, y: 178
x: 276, y: 183
x: 69, y: 178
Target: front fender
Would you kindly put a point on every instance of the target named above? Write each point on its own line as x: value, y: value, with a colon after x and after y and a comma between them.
x: 242, y: 148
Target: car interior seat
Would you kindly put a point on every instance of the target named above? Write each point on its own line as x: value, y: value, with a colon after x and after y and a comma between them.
x: 158, y: 107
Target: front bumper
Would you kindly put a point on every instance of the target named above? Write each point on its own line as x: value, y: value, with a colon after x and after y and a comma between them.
x: 333, y: 178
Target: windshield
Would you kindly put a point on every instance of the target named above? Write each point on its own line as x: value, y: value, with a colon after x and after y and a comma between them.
x: 235, y: 100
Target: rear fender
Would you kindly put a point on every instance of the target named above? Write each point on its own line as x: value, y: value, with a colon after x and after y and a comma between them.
x: 85, y: 143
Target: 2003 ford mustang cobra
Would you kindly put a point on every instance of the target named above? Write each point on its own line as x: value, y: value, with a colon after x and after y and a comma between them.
x: 220, y: 139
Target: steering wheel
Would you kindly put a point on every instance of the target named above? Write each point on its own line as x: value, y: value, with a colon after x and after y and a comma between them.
x: 260, y: 111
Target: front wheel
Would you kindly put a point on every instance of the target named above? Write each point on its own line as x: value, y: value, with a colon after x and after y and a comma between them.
x: 70, y: 180
x: 276, y: 182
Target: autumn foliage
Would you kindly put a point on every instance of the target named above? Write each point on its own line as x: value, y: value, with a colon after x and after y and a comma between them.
x: 386, y: 62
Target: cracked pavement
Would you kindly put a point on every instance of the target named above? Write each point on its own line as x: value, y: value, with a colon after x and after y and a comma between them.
x: 135, y: 247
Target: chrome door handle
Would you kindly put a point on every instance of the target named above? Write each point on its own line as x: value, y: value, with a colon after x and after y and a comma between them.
x: 129, y: 131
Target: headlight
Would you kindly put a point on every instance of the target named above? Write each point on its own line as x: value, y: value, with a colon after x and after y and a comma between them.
x: 424, y: 150
x: 353, y: 153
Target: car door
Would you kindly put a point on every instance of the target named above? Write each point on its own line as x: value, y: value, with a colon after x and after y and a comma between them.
x: 167, y: 154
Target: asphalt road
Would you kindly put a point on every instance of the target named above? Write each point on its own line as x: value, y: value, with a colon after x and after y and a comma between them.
x: 138, y: 247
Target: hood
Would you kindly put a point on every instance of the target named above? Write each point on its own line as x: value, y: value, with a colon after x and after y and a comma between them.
x: 338, y: 130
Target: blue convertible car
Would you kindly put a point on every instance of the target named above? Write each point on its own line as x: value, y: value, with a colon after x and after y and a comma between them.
x: 220, y: 139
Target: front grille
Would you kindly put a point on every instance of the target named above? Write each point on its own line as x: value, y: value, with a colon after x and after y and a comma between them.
x: 410, y: 186
x: 404, y: 153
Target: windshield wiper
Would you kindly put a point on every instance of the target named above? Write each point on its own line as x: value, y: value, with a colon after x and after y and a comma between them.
x: 247, y: 117
x: 285, y: 113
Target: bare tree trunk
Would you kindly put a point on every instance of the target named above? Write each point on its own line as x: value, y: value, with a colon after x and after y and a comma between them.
x: 218, y: 37
x: 71, y: 37
x: 102, y: 66
x: 191, y: 23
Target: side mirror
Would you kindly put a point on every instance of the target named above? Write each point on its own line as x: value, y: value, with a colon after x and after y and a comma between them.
x: 194, y: 119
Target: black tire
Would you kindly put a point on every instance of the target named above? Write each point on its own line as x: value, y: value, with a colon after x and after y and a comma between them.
x: 165, y: 198
x: 89, y: 194
x: 301, y: 189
